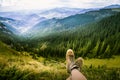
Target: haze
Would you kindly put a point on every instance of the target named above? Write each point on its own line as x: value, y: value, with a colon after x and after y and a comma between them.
x: 12, y: 5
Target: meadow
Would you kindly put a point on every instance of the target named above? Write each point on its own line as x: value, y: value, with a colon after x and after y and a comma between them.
x: 22, y: 66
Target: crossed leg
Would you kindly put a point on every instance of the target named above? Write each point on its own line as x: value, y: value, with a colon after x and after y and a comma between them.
x: 74, y: 67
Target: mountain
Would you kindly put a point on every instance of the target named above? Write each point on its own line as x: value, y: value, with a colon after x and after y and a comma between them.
x: 58, y: 25
x: 6, y: 35
x: 48, y: 14
x: 8, y: 24
x: 112, y: 6
x: 62, y: 12
x: 53, y: 20
x: 91, y: 34
x: 4, y: 29
x: 6, y: 50
x: 20, y: 23
x: 99, y: 39
x: 24, y: 20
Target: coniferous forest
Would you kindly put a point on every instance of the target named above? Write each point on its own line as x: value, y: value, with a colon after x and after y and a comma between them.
x: 95, y: 40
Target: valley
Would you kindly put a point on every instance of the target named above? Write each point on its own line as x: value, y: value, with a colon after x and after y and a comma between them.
x: 33, y: 44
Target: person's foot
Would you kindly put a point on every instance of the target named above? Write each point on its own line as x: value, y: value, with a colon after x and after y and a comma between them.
x: 70, y: 57
x: 70, y: 63
x: 79, y: 63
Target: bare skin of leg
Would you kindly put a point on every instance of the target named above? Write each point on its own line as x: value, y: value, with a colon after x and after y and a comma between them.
x: 76, y: 75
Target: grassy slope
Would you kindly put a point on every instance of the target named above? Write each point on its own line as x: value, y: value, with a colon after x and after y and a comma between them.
x: 110, y: 63
x: 15, y: 65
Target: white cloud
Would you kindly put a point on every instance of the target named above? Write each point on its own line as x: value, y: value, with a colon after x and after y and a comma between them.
x: 46, y: 4
x: 90, y: 3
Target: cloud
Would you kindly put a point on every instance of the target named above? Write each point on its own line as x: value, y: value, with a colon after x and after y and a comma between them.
x: 89, y: 3
x: 47, y: 4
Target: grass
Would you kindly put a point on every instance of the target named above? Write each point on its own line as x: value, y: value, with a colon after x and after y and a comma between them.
x: 109, y: 63
x: 21, y: 66
x: 26, y: 68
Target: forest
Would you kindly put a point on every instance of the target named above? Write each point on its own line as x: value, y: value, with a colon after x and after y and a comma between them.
x: 95, y: 40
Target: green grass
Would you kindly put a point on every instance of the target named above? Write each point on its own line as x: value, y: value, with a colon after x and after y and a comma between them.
x: 21, y: 66
x: 6, y: 50
x: 109, y: 63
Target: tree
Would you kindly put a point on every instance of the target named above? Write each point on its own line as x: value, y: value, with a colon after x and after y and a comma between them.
x: 95, y: 49
x: 107, y: 52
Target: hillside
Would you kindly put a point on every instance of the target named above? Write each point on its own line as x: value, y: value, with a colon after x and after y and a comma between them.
x: 32, y: 24
x: 5, y: 34
x: 95, y: 39
x: 112, y: 6
x: 6, y: 51
x: 58, y: 25
x: 100, y: 39
x: 22, y: 66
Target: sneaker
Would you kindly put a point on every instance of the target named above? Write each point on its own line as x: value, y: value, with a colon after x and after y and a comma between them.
x: 79, y: 63
x: 70, y: 57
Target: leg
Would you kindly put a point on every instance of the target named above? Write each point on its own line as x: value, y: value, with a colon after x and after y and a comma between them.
x: 69, y: 78
x: 74, y: 67
x: 77, y: 75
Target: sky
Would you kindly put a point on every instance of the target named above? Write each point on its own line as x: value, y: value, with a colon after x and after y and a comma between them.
x: 9, y: 5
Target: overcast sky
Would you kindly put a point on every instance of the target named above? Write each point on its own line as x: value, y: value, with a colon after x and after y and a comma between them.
x: 46, y: 4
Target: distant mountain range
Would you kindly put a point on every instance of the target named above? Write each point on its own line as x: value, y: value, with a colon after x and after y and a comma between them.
x: 63, y: 12
x: 112, y: 6
x: 6, y: 35
x: 57, y: 25
x: 4, y: 29
x: 54, y: 20
x: 25, y: 20
x: 7, y: 24
x: 48, y: 14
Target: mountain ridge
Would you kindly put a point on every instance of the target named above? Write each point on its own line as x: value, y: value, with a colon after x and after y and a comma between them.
x: 112, y: 6
x: 35, y: 23
x: 71, y: 22
x: 99, y: 40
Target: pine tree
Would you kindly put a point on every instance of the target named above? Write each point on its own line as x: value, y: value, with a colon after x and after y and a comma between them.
x: 107, y: 52
x: 95, y: 49
x: 102, y: 48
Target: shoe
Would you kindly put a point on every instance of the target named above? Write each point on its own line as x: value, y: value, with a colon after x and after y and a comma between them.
x: 70, y: 57
x: 79, y: 63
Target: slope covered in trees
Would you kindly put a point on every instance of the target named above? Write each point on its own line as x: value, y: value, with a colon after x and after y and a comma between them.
x: 54, y: 25
x: 7, y: 36
x: 100, y: 39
